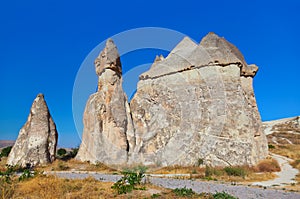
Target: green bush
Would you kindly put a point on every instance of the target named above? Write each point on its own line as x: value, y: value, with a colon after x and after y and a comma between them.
x: 184, y: 192
x: 223, y: 195
x: 73, y: 152
x: 5, y: 152
x: 129, y: 181
x: 235, y: 171
x: 61, y: 152
x: 209, y: 171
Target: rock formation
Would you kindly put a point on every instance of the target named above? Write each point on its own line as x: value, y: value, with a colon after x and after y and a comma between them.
x: 196, y: 104
x: 108, y: 132
x: 283, y: 131
x: 37, y: 140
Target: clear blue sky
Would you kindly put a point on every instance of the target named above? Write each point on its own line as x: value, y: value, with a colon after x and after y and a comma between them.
x: 43, y: 43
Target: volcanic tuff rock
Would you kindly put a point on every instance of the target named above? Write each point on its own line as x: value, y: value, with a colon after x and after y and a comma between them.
x: 283, y: 131
x: 108, y: 132
x: 37, y: 140
x: 196, y: 104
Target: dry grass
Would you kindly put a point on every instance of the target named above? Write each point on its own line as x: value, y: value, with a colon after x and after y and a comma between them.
x: 51, y: 187
x: 61, y: 165
x: 3, y: 163
x: 178, y: 170
x: 261, y: 172
x: 268, y: 165
x: 288, y: 150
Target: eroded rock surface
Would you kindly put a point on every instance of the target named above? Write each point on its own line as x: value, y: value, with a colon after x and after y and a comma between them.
x: 108, y: 131
x: 195, y: 105
x: 37, y: 140
x: 283, y: 131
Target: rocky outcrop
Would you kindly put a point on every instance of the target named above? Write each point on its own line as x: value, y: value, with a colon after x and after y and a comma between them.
x: 108, y: 132
x: 283, y: 131
x: 37, y: 140
x: 196, y: 104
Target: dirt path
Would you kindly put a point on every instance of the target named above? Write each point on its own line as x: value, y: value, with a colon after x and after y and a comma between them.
x: 285, y: 176
x: 242, y: 192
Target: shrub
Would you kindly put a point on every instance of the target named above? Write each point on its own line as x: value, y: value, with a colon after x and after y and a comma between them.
x: 235, y: 171
x: 184, y: 192
x: 223, y: 195
x: 268, y: 165
x: 73, y: 152
x: 129, y: 181
x: 61, y: 152
x: 5, y: 152
x: 209, y: 171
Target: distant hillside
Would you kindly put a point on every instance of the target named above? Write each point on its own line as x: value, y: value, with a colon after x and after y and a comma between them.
x: 283, y: 131
x: 5, y: 143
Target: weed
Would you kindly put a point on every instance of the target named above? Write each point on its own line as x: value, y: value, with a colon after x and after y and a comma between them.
x: 155, y: 195
x: 271, y: 146
x: 235, y: 171
x: 27, y: 174
x: 223, y: 195
x: 184, y: 192
x: 129, y: 181
x: 200, y: 162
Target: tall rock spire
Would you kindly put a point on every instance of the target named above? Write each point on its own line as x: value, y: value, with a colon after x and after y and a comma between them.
x: 37, y: 140
x: 108, y: 132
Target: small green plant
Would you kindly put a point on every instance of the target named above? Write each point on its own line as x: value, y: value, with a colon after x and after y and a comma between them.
x: 27, y: 174
x: 200, y: 162
x: 184, y: 192
x: 6, y: 175
x: 155, y: 195
x: 129, y: 181
x: 271, y: 146
x: 223, y: 195
x: 5, y: 152
x: 235, y: 171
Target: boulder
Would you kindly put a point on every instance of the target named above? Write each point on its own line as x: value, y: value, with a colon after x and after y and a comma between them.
x: 37, y: 140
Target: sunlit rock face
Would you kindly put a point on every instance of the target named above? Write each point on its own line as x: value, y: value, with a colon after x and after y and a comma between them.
x: 37, y: 140
x: 108, y: 132
x: 196, y: 104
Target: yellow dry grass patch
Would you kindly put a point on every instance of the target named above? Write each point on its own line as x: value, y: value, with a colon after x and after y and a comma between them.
x: 253, y: 174
x: 3, y: 163
x: 51, y: 187
x: 288, y: 150
x: 72, y: 164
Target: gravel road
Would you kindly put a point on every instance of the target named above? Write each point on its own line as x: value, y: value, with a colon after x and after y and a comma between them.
x: 242, y: 192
